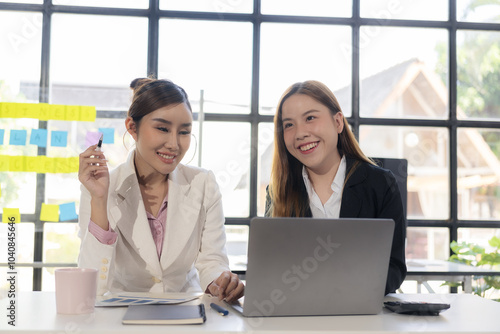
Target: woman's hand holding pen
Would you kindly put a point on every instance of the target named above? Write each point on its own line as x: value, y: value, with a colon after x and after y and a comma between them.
x: 227, y: 286
x: 93, y: 172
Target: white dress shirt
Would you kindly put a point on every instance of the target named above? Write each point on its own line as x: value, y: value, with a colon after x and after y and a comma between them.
x: 331, y: 209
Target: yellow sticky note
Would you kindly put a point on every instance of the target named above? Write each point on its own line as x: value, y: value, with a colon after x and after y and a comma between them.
x: 17, y: 163
x: 41, y: 164
x: 4, y: 163
x: 57, y: 112
x: 49, y: 213
x: 43, y: 111
x: 30, y: 110
x: 74, y: 164
x: 9, y: 110
x: 61, y: 165
x: 46, y: 165
x: 87, y: 113
x: 31, y: 164
x: 23, y: 110
x: 72, y: 113
x: 11, y: 215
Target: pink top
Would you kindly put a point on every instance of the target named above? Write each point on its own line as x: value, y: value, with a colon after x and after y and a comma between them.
x: 156, y: 224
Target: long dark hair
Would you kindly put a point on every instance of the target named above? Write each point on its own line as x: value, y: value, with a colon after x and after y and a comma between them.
x: 287, y: 186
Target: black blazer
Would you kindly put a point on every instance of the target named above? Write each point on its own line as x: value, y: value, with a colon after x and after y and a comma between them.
x: 372, y: 192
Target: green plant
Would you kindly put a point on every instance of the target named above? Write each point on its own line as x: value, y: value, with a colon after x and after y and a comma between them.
x: 475, y: 255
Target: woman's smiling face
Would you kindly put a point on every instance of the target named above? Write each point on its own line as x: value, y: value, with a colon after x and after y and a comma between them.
x: 310, y: 132
x: 162, y: 139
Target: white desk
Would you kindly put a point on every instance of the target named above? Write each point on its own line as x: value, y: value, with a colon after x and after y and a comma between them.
x: 468, y: 314
x: 440, y: 270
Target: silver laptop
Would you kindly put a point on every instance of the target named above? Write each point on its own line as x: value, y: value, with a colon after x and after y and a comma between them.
x: 311, y: 267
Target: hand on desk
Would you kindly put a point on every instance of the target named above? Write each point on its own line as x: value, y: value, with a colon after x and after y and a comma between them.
x: 228, y: 287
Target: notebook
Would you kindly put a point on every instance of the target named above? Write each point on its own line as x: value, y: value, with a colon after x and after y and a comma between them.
x: 160, y: 314
x: 312, y: 267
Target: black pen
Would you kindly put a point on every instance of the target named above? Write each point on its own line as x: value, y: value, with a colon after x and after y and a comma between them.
x: 97, y: 149
x: 222, y: 311
x: 99, y: 144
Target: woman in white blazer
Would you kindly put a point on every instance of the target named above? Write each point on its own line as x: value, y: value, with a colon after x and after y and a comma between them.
x: 152, y: 224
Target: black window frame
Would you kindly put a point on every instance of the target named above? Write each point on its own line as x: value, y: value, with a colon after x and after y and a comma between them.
x: 154, y: 14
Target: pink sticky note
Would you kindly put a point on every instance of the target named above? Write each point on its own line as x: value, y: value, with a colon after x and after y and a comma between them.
x: 92, y: 138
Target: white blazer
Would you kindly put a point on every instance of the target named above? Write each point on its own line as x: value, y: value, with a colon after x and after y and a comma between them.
x: 193, y: 252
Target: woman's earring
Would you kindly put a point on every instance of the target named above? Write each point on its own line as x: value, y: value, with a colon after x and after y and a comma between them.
x: 195, y: 149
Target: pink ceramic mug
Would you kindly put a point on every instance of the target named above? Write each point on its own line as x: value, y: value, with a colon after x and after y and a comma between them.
x: 75, y: 290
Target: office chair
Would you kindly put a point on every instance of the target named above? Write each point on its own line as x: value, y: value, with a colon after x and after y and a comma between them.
x: 398, y: 167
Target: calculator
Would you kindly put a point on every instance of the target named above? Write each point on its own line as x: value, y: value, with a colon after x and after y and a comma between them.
x: 416, y: 308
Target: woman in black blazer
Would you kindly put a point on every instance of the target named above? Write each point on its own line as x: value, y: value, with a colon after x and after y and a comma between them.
x: 319, y: 170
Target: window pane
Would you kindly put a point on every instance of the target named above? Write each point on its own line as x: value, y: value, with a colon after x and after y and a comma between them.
x: 426, y: 150
x: 20, y: 56
x: 24, y: 278
x: 296, y: 52
x: 60, y: 242
x: 426, y: 243
x: 230, y: 162
x: 410, y: 83
x: 265, y: 153
x: 478, y: 11
x: 106, y: 3
x: 307, y: 8
x: 405, y: 9
x: 18, y: 191
x: 237, y: 244
x: 94, y: 58
x: 431, y: 243
x: 25, y: 236
x: 480, y: 237
x: 478, y: 155
x: 478, y: 70
x: 218, y: 6
x: 60, y: 245
x: 48, y: 279
x: 213, y: 57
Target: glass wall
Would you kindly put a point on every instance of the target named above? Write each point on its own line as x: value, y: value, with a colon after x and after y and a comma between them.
x: 414, y: 83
